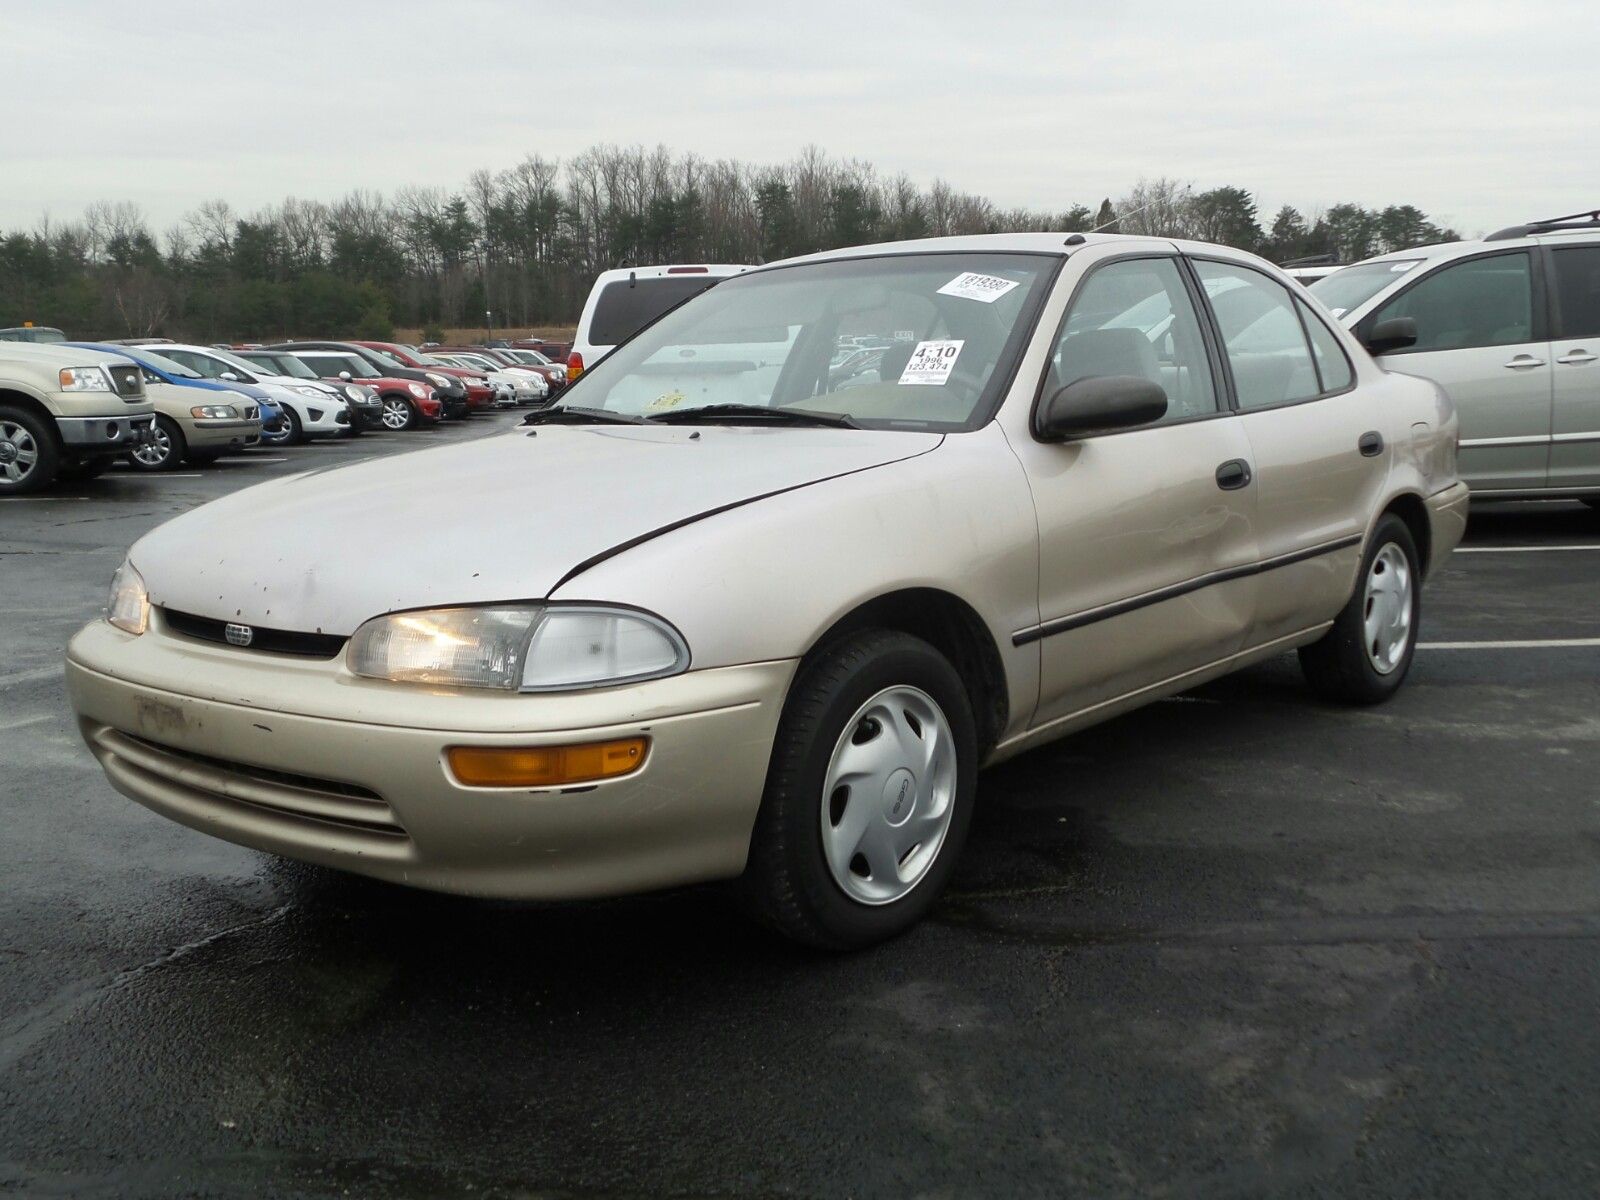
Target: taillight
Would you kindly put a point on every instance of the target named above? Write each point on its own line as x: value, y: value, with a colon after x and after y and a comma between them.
x: 574, y: 365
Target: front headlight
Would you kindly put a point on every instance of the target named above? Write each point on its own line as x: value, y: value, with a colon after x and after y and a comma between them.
x: 530, y: 649
x: 129, y: 606
x: 84, y: 379
x: 417, y: 390
x: 305, y: 389
x: 438, y: 381
x: 352, y: 392
x: 214, y: 412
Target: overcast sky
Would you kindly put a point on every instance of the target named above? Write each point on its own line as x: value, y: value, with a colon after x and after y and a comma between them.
x: 1479, y: 113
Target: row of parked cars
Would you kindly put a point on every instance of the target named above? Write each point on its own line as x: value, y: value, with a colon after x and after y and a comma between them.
x: 70, y: 409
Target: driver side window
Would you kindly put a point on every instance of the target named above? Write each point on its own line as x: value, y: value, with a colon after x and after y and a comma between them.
x: 1136, y: 318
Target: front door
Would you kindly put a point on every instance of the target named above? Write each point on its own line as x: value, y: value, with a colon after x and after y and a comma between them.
x: 1481, y: 336
x: 1141, y: 532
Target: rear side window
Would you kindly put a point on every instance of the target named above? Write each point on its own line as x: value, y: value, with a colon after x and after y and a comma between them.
x: 1578, y: 291
x: 1332, y: 365
x: 625, y: 307
x: 1480, y: 302
x: 1265, y: 341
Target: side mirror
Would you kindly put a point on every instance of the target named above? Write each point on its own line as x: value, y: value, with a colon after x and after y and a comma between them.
x: 229, y: 376
x: 1101, y: 403
x: 346, y: 376
x: 1396, y: 333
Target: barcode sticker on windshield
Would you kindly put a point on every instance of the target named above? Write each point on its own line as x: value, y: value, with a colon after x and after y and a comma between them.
x: 931, y: 363
x: 970, y: 285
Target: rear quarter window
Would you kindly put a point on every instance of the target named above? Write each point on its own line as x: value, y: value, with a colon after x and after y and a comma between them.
x: 625, y: 307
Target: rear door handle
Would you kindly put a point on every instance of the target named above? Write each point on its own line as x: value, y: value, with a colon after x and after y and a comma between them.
x: 1233, y: 474
x: 1524, y: 362
x: 1370, y: 443
x: 1576, y: 357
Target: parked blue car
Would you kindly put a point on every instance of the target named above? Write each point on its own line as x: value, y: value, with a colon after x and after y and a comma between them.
x: 176, y: 373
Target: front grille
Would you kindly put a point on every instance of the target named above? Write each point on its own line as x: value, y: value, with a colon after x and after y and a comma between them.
x: 250, y: 412
x: 270, y: 641
x: 304, y: 801
x: 128, y: 382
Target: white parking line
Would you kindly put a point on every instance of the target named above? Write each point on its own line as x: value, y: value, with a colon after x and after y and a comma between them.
x: 1518, y: 549
x: 248, y: 458
x: 1546, y: 644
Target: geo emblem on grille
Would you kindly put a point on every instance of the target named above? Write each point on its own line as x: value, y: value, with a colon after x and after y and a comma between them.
x: 238, y: 635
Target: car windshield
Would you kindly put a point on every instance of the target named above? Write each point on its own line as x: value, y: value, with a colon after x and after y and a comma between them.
x: 1348, y: 288
x: 530, y: 357
x: 166, y: 366
x: 951, y: 325
x: 239, y: 364
x: 381, y: 357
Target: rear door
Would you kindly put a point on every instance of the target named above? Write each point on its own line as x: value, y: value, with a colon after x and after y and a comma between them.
x: 1482, y: 335
x: 1575, y: 421
x: 1320, y: 459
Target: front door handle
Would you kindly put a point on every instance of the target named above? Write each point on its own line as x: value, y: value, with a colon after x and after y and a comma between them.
x: 1525, y: 362
x: 1576, y: 357
x: 1233, y: 474
x: 1370, y: 443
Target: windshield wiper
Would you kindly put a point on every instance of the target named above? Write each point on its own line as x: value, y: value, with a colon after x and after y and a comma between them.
x: 568, y: 414
x: 712, y: 413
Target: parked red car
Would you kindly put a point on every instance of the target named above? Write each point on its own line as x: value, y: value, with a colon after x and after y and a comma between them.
x: 407, y: 403
x: 480, y: 396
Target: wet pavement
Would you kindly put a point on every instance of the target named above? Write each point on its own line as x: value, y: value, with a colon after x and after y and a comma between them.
x: 1238, y: 943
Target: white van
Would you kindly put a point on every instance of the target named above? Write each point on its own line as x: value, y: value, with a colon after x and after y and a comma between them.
x: 624, y: 301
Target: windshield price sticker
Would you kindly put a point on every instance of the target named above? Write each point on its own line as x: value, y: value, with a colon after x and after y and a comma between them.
x: 970, y: 285
x: 931, y: 363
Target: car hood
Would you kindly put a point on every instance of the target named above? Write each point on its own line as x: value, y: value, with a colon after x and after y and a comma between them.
x: 507, y: 517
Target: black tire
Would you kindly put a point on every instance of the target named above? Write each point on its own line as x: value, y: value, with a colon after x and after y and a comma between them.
x: 399, y: 413
x: 169, y: 449
x: 29, y: 459
x: 787, y: 883
x: 296, y: 432
x: 1340, y: 666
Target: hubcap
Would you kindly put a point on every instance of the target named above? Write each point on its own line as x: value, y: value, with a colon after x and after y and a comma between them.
x: 1387, y: 609
x: 888, y: 795
x: 18, y: 452
x: 394, y: 414
x: 156, y: 451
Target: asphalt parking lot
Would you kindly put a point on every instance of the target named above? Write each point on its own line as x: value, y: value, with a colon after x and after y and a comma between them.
x: 1237, y: 943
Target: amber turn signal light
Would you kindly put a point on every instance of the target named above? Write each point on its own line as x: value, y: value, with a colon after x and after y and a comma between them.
x: 545, y: 766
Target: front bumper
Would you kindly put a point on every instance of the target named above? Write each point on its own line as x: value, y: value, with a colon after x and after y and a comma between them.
x: 205, y: 433
x: 113, y: 434
x: 299, y: 757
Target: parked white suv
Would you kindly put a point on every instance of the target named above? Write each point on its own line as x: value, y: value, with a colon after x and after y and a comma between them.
x: 1510, y: 327
x: 624, y: 301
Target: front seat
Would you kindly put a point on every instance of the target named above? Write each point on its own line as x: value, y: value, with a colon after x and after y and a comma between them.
x: 1094, y: 353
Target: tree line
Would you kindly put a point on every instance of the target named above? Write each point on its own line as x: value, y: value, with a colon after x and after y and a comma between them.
x: 525, y: 243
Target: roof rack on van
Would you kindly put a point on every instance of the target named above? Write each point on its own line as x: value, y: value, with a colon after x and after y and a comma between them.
x: 1582, y: 220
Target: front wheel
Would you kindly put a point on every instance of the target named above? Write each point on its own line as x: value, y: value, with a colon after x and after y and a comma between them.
x: 1364, y: 658
x: 399, y: 413
x: 165, y: 449
x: 29, y: 460
x: 293, y: 431
x: 868, y: 795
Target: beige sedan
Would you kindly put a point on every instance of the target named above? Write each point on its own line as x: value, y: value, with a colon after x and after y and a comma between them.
x: 780, y: 620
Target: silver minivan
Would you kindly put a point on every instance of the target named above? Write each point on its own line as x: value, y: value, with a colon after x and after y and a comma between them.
x: 1510, y: 327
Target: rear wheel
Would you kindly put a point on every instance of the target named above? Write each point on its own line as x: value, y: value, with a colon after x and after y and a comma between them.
x: 1364, y: 658
x: 165, y: 449
x: 868, y: 796
x: 399, y: 413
